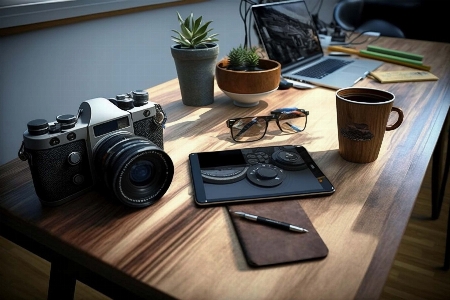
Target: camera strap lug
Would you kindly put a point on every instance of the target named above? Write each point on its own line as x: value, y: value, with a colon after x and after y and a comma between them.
x: 160, y: 117
x: 23, y: 155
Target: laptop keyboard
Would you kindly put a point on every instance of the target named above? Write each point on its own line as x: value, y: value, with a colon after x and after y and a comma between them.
x: 323, y: 68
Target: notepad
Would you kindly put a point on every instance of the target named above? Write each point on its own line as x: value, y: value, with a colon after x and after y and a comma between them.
x: 402, y: 76
x: 265, y: 245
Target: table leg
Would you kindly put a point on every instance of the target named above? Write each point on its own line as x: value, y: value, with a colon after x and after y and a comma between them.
x: 62, y: 279
x: 436, y: 171
x: 440, y: 170
x: 447, y: 247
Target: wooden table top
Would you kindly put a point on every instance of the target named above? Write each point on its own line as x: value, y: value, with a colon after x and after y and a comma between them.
x: 176, y: 249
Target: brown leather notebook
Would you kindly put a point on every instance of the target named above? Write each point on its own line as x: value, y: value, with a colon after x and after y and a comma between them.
x: 264, y: 245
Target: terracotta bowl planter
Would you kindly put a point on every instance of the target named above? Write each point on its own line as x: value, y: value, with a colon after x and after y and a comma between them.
x: 248, y: 88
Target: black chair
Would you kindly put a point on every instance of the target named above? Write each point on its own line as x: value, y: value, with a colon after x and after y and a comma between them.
x: 347, y: 15
x: 438, y: 191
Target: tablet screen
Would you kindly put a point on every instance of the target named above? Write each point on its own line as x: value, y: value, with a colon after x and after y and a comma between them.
x: 224, y: 177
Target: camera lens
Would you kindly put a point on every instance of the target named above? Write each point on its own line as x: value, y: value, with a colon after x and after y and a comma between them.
x: 136, y: 170
x: 141, y: 173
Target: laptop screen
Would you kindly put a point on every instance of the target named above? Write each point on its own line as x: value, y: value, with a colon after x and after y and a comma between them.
x: 287, y: 32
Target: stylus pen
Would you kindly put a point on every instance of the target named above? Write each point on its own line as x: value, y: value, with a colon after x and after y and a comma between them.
x: 362, y: 77
x: 270, y: 222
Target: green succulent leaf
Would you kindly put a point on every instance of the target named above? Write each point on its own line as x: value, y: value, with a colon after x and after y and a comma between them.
x: 204, y: 28
x: 200, y: 38
x: 197, y: 24
x: 188, y: 21
x: 186, y: 32
x: 180, y: 19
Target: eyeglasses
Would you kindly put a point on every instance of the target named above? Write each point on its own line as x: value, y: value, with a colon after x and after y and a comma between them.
x: 250, y: 129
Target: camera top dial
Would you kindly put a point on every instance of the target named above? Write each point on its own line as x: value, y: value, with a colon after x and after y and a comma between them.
x: 122, y: 102
x: 130, y: 100
x: 140, y: 97
x: 67, y: 121
x: 38, y: 127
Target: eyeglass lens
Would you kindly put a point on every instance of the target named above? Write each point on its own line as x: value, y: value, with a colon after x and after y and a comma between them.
x: 249, y: 129
x: 292, y: 122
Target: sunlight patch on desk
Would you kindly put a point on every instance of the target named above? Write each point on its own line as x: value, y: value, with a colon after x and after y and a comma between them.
x: 194, y: 116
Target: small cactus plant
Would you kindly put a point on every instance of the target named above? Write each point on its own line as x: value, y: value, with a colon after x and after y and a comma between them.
x: 252, y: 59
x: 193, y: 34
x: 242, y: 59
x: 237, y: 59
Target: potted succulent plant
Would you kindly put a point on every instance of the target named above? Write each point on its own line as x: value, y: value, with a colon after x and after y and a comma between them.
x: 195, y: 54
x: 247, y: 78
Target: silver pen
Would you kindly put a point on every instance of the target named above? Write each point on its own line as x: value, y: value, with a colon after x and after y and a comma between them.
x: 269, y: 222
x: 362, y: 77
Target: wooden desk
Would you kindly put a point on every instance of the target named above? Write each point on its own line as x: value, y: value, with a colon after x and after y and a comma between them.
x: 177, y: 250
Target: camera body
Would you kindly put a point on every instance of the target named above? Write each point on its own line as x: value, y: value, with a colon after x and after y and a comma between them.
x: 115, y: 141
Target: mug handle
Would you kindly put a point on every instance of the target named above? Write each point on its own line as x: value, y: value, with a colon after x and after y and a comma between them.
x: 399, y: 120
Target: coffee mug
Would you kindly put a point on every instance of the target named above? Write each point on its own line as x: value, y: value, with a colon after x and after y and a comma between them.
x: 362, y: 117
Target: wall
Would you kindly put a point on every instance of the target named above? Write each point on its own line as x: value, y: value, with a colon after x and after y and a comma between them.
x: 49, y: 72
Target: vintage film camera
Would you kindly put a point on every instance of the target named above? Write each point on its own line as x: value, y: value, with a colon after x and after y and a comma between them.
x: 116, y: 143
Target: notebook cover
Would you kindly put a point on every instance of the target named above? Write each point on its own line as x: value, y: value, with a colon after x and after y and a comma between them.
x: 264, y: 245
x: 402, y: 76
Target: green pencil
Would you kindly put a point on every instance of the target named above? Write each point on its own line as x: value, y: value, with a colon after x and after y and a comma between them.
x: 403, y: 54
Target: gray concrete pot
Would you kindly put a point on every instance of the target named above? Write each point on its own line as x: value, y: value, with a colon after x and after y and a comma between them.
x: 195, y: 69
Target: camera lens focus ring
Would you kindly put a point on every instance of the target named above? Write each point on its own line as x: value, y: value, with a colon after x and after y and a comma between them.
x: 155, y: 184
x: 136, y: 170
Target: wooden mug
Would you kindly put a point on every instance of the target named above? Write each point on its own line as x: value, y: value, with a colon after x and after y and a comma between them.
x: 362, y: 117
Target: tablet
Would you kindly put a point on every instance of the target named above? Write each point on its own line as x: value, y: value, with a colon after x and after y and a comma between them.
x: 255, y: 174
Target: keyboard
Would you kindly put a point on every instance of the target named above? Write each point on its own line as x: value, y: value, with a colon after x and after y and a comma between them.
x: 323, y: 68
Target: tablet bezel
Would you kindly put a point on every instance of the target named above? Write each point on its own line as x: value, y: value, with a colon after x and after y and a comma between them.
x: 200, y: 194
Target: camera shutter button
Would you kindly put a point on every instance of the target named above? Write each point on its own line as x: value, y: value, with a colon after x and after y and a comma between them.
x: 74, y: 158
x: 66, y: 121
x: 123, y: 102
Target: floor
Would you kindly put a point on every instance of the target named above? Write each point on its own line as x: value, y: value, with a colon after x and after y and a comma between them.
x: 417, y: 271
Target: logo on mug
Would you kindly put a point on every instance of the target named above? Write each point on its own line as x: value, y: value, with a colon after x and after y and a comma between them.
x: 357, y: 132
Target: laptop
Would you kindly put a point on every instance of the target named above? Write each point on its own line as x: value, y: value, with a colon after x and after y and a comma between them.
x: 289, y: 36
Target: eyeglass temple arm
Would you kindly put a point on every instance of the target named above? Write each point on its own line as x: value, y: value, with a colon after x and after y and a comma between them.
x: 294, y: 127
x: 285, y: 109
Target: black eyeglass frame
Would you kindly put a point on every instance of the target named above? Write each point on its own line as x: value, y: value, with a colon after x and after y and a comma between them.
x: 274, y: 115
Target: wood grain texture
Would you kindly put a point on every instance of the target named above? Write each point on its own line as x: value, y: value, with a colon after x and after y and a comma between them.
x: 188, y: 252
x: 415, y: 273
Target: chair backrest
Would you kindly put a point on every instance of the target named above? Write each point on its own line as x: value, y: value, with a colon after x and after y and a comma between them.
x: 347, y: 14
